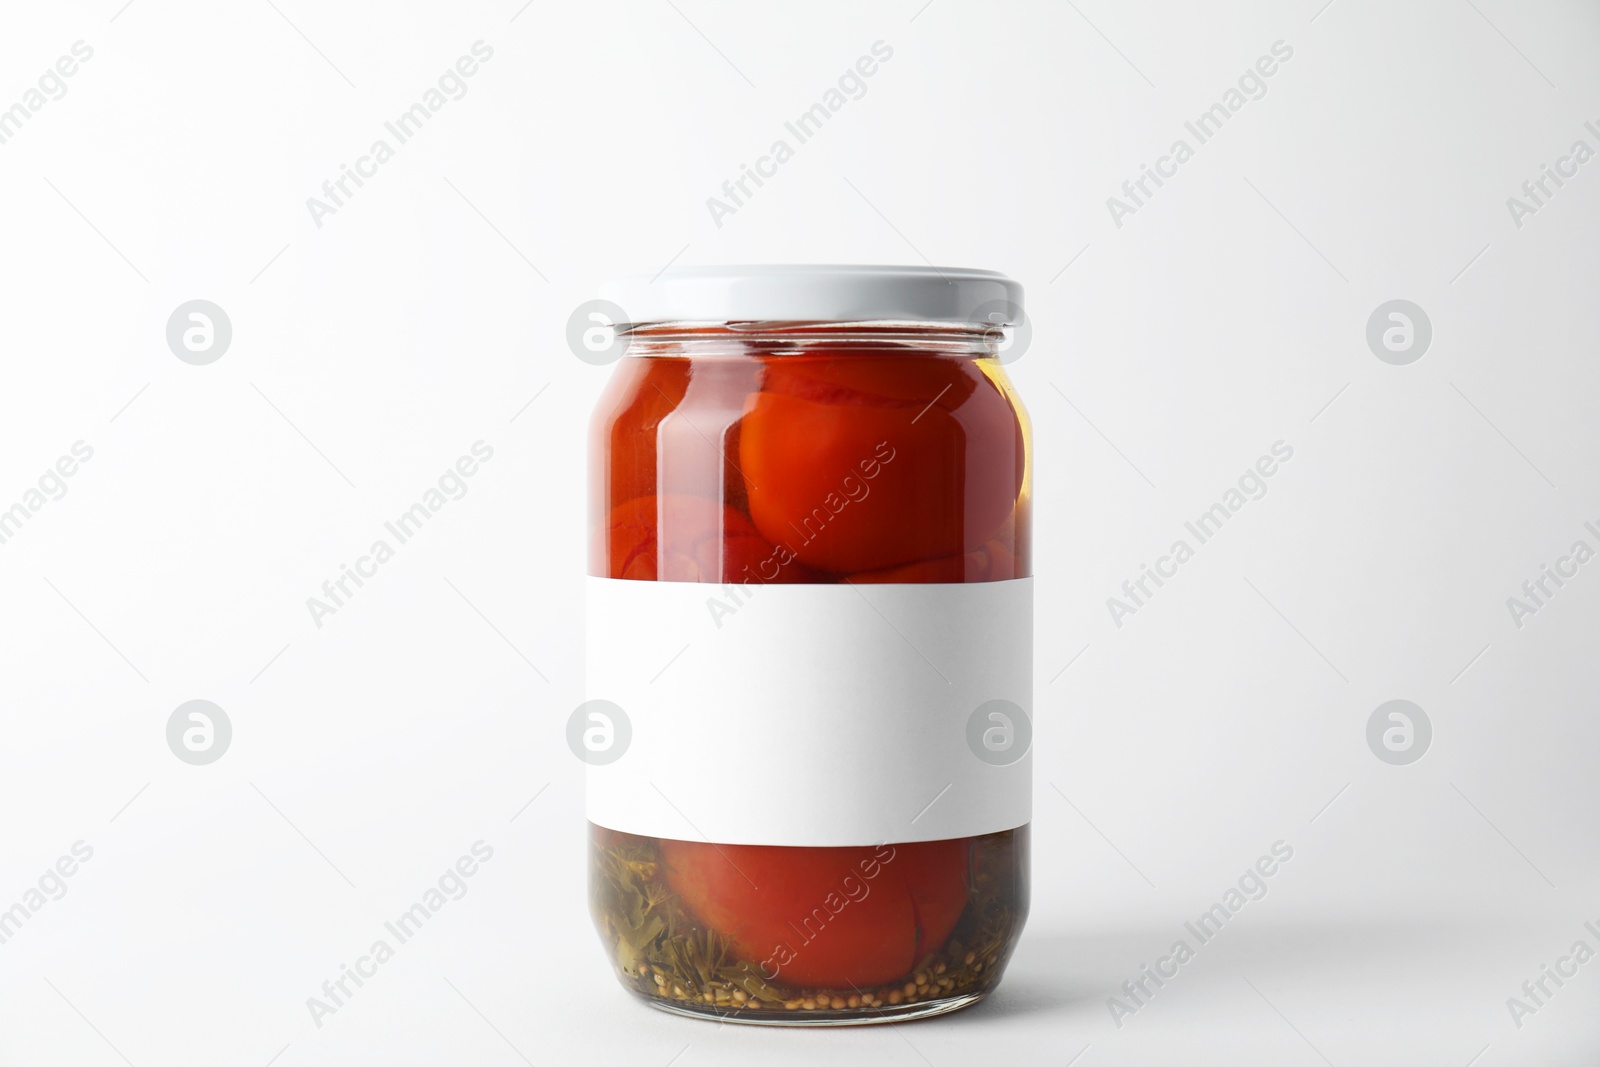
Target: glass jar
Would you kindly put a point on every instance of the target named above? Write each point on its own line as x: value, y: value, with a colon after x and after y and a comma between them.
x: 809, y: 644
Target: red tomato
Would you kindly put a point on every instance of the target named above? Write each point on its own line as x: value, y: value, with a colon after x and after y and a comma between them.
x: 968, y: 567
x: 996, y: 561
x: 938, y: 896
x: 626, y: 437
x: 867, y: 461
x: 677, y: 538
x: 1003, y: 562
x: 814, y: 917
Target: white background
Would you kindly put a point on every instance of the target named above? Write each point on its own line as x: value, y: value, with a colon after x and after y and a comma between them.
x: 1168, y: 354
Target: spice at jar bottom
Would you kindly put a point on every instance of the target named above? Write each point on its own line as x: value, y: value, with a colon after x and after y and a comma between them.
x: 809, y: 652
x: 864, y: 945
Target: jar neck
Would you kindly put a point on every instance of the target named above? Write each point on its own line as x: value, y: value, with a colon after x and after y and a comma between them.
x: 768, y: 338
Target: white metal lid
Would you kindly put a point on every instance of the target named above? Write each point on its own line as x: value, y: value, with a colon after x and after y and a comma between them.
x: 817, y: 293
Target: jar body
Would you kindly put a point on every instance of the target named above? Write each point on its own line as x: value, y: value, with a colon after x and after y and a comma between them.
x: 762, y: 469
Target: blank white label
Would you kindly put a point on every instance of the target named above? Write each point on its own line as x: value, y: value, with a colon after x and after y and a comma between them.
x: 813, y: 714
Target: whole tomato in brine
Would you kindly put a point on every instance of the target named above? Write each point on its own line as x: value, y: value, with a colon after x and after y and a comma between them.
x: 829, y: 918
x: 680, y: 538
x: 868, y: 461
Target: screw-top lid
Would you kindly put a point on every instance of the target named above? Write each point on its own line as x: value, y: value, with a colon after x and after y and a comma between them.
x: 818, y: 293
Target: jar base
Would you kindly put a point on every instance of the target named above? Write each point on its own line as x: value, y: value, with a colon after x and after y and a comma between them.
x: 779, y: 1016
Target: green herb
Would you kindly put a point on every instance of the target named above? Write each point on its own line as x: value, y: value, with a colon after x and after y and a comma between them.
x: 656, y: 943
